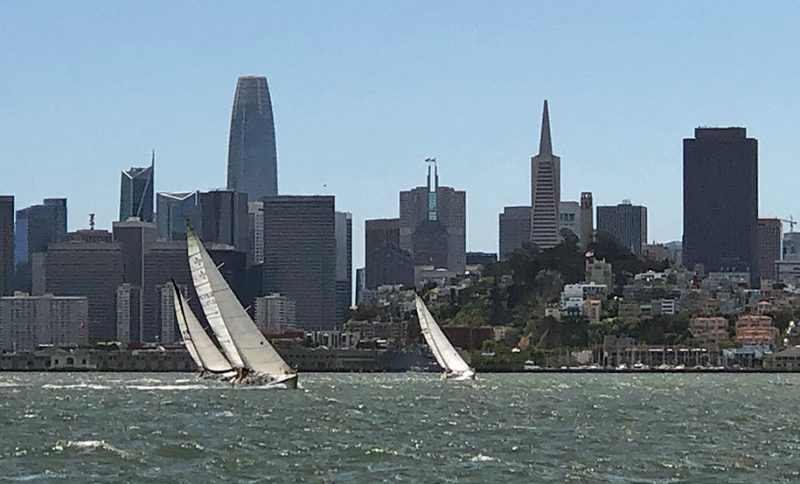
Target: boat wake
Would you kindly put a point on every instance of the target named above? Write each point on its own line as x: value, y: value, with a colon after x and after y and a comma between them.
x: 88, y: 446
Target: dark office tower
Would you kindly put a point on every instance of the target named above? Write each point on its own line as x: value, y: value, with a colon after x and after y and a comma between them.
x: 252, y: 157
x: 433, y: 224
x: 135, y: 237
x: 224, y: 219
x: 386, y: 262
x: 300, y: 256
x: 6, y: 245
x: 720, y: 200
x: 769, y: 246
x: 59, y: 205
x: 163, y: 262
x: 625, y: 222
x: 37, y: 226
x: 93, y: 270
x: 587, y: 219
x: 173, y: 211
x: 136, y: 193
x: 545, y: 190
x: 515, y: 229
x: 344, y: 264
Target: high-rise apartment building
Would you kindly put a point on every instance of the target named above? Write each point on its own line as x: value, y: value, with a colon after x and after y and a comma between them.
x: 274, y: 311
x: 27, y: 322
x: 769, y: 246
x: 93, y: 270
x: 344, y: 264
x: 6, y: 245
x: 625, y: 222
x: 515, y: 229
x: 173, y: 211
x: 433, y: 224
x: 129, y: 313
x: 386, y: 262
x: 300, y: 256
x: 720, y: 201
x: 545, y: 190
x: 255, y: 213
x: 252, y: 156
x: 136, y: 192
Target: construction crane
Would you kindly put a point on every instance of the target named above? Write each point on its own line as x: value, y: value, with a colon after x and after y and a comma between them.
x: 789, y: 221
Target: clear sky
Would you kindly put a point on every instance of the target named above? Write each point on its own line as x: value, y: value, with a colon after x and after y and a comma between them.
x: 364, y: 91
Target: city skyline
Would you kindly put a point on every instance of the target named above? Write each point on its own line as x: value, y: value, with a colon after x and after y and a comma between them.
x: 333, y: 125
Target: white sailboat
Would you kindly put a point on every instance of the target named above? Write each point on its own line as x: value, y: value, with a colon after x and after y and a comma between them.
x: 446, y: 355
x: 244, y: 345
x: 210, y: 361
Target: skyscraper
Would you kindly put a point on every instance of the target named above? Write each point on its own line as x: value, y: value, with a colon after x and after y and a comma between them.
x: 224, y: 219
x: 344, y: 264
x: 720, y: 200
x: 93, y: 270
x: 136, y: 192
x: 386, y: 262
x: 6, y: 245
x: 545, y: 190
x: 252, y: 156
x: 173, y: 211
x: 300, y: 256
x: 515, y: 229
x: 625, y: 222
x: 37, y: 226
x: 433, y: 224
x: 769, y: 246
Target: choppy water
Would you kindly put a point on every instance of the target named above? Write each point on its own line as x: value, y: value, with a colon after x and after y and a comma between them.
x: 401, y: 427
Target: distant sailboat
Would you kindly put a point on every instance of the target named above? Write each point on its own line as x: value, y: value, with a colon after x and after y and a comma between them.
x: 446, y: 355
x: 244, y: 345
x: 210, y: 361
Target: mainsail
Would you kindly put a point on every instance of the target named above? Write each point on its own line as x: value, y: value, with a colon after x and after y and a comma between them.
x: 447, y: 356
x: 196, y: 337
x: 205, y: 292
x: 187, y: 338
x: 220, y: 302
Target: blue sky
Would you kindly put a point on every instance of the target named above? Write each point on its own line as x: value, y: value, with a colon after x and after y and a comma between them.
x: 364, y: 91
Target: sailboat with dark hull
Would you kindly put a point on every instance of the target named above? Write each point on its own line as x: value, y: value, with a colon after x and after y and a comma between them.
x: 250, y: 354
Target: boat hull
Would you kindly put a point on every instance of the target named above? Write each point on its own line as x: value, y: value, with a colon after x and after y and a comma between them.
x: 459, y: 376
x: 266, y: 381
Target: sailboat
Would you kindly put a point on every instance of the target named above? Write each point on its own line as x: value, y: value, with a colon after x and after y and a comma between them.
x: 247, y: 349
x: 209, y: 360
x: 446, y: 355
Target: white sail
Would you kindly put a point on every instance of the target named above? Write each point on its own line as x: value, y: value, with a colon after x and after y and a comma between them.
x: 210, y: 357
x: 447, y: 356
x: 255, y: 351
x: 207, y: 300
x: 187, y: 339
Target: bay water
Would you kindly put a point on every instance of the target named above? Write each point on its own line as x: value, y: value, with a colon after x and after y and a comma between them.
x: 115, y: 427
